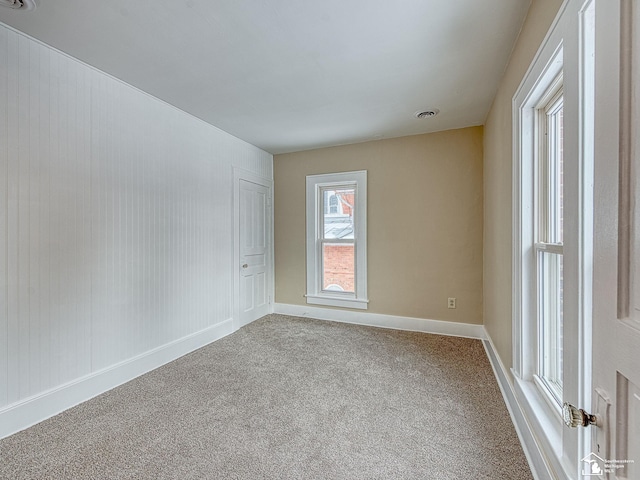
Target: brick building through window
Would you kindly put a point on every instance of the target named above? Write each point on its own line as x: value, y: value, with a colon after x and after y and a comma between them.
x: 338, y: 258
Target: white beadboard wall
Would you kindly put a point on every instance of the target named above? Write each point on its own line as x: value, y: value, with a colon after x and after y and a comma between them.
x: 115, y: 220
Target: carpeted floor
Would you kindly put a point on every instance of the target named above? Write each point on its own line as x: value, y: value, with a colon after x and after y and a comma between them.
x: 288, y: 397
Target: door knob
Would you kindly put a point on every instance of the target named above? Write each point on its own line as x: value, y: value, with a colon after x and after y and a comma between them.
x: 245, y: 266
x: 574, y: 417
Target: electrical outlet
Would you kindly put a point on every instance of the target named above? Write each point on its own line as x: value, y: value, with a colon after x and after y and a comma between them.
x: 451, y: 302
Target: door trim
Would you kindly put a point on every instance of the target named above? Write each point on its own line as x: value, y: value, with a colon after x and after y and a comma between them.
x: 241, y: 174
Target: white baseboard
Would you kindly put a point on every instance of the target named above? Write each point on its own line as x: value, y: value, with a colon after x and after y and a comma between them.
x: 28, y: 412
x: 384, y: 321
x: 537, y: 461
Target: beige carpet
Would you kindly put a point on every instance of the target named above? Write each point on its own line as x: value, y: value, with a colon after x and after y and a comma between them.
x: 287, y: 397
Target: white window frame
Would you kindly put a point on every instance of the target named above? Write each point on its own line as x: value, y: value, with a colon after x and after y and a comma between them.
x: 526, y: 106
x: 314, y: 206
x: 543, y: 244
x: 569, y: 47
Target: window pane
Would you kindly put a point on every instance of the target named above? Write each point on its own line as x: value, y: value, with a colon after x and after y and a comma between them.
x: 550, y: 284
x: 560, y: 176
x: 338, y: 267
x: 337, y: 213
x: 553, y: 177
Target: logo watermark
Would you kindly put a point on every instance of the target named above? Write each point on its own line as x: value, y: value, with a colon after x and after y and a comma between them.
x: 593, y: 465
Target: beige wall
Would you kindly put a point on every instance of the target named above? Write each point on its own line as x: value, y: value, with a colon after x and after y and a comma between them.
x: 497, y: 179
x: 424, y: 222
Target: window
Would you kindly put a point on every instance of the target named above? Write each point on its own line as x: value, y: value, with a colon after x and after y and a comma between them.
x: 548, y: 241
x: 540, y: 340
x: 552, y: 263
x: 336, y: 239
x: 331, y: 202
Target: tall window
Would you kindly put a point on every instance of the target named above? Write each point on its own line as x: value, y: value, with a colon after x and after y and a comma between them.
x: 552, y: 263
x: 336, y: 239
x: 548, y: 242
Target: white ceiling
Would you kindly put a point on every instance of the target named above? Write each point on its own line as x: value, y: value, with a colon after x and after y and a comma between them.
x: 288, y: 75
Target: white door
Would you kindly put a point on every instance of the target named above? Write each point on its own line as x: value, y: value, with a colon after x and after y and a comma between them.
x: 616, y: 274
x: 253, y: 262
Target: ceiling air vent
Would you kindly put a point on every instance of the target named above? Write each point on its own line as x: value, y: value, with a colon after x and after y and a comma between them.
x: 431, y: 112
x: 21, y: 5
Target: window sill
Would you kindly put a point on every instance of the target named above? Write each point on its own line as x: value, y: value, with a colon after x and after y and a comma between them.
x: 338, y: 302
x: 546, y: 424
x: 547, y: 396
